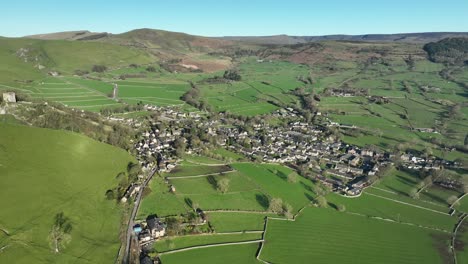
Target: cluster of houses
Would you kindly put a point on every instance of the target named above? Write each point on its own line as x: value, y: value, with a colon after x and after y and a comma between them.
x: 150, y: 229
x: 414, y: 162
x: 347, y: 169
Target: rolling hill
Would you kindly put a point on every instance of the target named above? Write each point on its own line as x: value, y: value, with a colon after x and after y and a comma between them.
x: 401, y: 38
x: 46, y: 172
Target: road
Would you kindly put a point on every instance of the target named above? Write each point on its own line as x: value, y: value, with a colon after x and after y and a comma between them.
x: 131, y: 220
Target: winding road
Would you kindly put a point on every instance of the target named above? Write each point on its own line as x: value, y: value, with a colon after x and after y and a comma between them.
x: 131, y: 220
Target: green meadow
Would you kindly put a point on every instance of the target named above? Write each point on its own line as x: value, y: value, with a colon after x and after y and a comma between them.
x: 327, y: 236
x: 45, y: 172
x: 173, y: 243
x: 223, y: 254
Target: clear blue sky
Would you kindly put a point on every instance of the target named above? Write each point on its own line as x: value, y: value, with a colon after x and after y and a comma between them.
x: 236, y: 17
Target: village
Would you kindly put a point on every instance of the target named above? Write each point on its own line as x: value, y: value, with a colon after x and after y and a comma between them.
x: 309, y: 148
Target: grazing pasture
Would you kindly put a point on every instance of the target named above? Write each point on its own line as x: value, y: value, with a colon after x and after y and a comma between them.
x: 173, y: 243
x: 45, y: 172
x: 237, y: 221
x: 327, y: 236
x: 380, y: 206
x: 233, y: 254
x: 272, y: 179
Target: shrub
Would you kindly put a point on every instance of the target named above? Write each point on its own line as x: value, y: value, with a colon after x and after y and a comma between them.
x: 99, y: 68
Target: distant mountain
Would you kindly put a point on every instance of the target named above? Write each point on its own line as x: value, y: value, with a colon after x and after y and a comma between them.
x: 70, y: 35
x: 180, y: 42
x: 404, y: 38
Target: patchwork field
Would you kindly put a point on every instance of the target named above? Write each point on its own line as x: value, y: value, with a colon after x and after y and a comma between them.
x: 237, y: 221
x: 330, y: 237
x: 400, y: 211
x: 224, y: 254
x: 169, y: 244
x: 93, y: 95
x: 272, y: 179
x: 461, y: 243
x: 70, y: 177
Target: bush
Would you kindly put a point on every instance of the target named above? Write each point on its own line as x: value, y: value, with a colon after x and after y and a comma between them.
x: 99, y: 68
x: 232, y: 75
x: 110, y: 195
x: 151, y: 69
x: 81, y: 72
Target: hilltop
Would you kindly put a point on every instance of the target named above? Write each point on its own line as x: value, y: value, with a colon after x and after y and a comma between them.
x: 416, y: 38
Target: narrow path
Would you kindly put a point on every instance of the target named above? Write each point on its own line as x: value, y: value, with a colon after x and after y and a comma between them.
x: 238, y: 211
x: 383, y: 190
x: 212, y: 245
x: 413, y: 205
x: 206, y: 164
x: 200, y: 176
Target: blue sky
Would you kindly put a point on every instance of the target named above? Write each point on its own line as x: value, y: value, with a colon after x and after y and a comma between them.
x: 236, y: 17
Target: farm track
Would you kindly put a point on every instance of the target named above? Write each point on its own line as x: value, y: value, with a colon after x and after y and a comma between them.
x: 394, y: 193
x: 213, y: 245
x: 207, y: 164
x: 201, y: 175
x: 413, y: 205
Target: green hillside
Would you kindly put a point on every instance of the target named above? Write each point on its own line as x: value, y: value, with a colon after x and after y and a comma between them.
x: 45, y: 172
x: 23, y: 57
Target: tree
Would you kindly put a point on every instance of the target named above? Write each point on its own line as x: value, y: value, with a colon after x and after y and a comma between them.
x: 223, y: 185
x: 464, y: 183
x: 180, y: 145
x: 321, y: 201
x: 413, y: 193
x: 59, y: 235
x: 341, y: 208
x: 292, y: 177
x: 99, y: 68
x: 276, y: 205
x: 287, y: 210
x: 232, y: 75
x: 150, y: 69
x: 174, y: 226
x: 453, y: 200
x: 110, y: 195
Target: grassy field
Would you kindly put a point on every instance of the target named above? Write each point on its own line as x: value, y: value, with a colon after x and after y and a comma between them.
x: 196, y: 159
x: 194, y: 170
x: 252, y: 95
x: 241, y: 195
x: 272, y: 179
x: 45, y: 172
x: 237, y: 221
x: 327, y: 236
x: 160, y: 201
x: 234, y: 254
x: 461, y: 243
x: 169, y: 243
x: 373, y: 206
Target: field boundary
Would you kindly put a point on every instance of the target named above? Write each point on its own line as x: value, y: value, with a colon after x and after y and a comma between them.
x: 413, y: 205
x: 201, y: 175
x: 212, y: 245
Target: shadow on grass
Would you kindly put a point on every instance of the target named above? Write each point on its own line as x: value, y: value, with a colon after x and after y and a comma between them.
x: 263, y: 200
x: 212, y: 181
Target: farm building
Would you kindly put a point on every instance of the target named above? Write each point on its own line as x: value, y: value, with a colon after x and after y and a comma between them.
x: 9, y: 97
x: 156, y: 228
